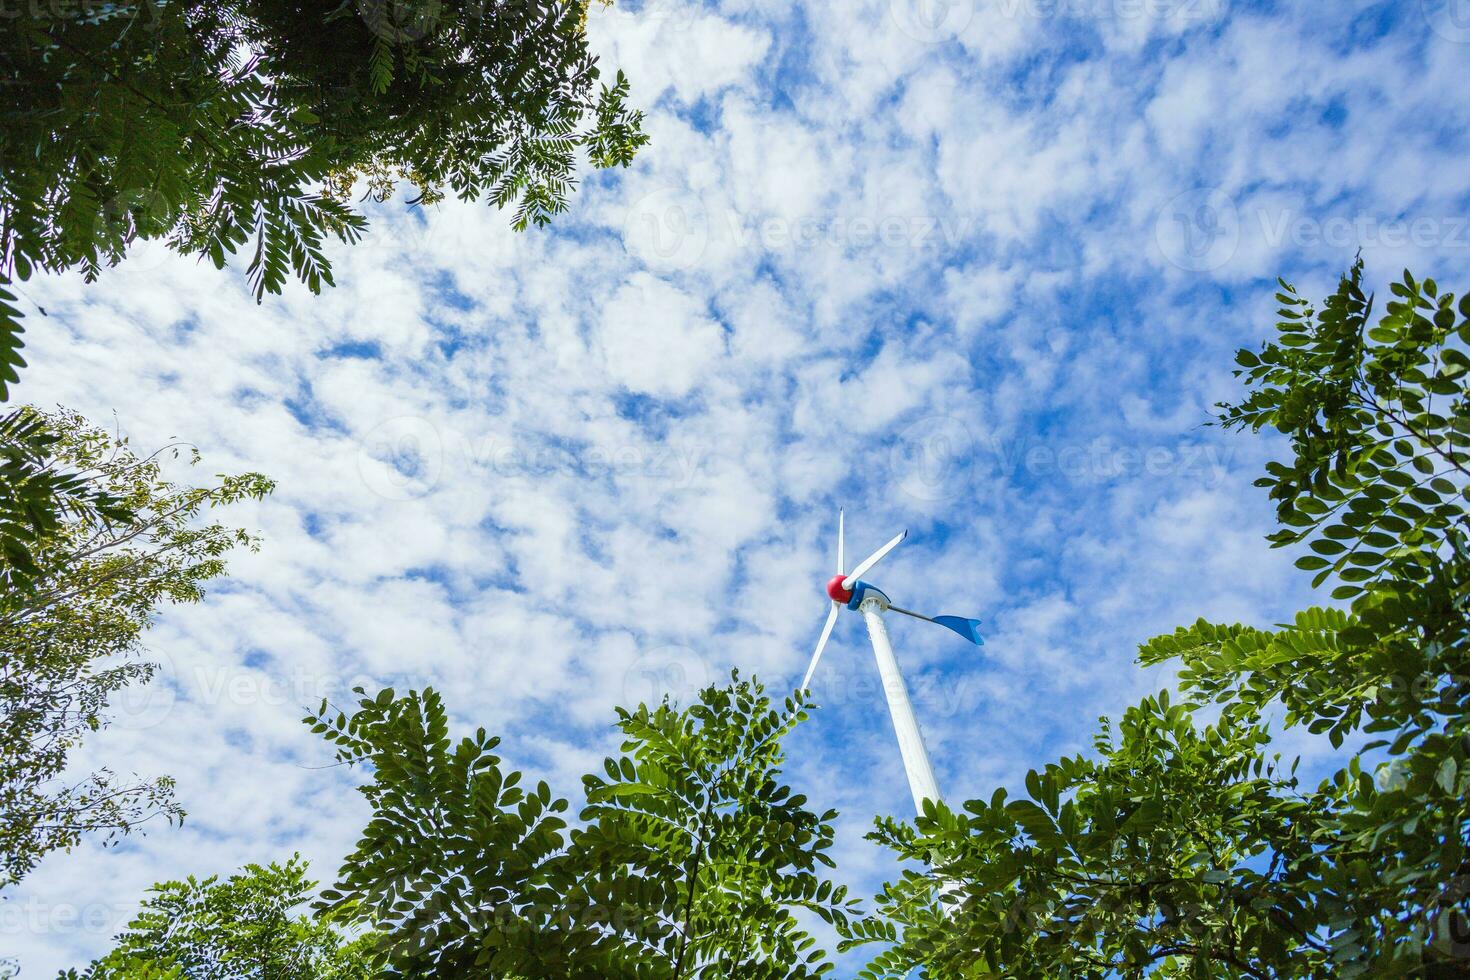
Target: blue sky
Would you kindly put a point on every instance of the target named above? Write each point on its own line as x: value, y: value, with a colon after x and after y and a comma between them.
x: 975, y: 268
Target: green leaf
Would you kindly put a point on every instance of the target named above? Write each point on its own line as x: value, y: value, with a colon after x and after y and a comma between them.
x: 1446, y: 776
x: 10, y: 341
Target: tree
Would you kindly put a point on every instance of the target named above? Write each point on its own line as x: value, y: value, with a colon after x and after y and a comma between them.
x: 1186, y: 851
x: 691, y: 859
x: 246, y: 123
x: 693, y: 824
x: 1121, y: 865
x: 37, y: 495
x: 242, y: 928
x: 71, y: 632
x: 458, y: 865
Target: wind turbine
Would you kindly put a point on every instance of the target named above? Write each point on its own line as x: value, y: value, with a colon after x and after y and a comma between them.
x: 848, y: 590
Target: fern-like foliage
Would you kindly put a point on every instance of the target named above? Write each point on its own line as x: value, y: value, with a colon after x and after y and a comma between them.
x: 39, y: 492
x: 11, y: 360
x: 1183, y: 851
x: 249, y: 925
x: 1160, y: 856
x: 245, y: 124
x: 692, y: 858
x: 706, y: 854
x: 95, y: 542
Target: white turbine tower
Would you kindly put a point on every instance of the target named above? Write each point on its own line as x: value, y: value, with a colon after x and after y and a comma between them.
x: 849, y: 590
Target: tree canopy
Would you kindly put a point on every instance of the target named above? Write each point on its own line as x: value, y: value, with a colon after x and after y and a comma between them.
x: 38, y: 493
x: 250, y: 926
x: 247, y: 124
x: 72, y: 621
x: 692, y: 857
x: 1191, y: 851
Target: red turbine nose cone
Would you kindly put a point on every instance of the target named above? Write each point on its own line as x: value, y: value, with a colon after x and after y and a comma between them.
x: 836, y: 591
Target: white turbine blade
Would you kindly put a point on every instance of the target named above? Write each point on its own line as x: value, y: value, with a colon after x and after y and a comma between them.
x: 872, y: 560
x: 840, y: 569
x: 821, y: 644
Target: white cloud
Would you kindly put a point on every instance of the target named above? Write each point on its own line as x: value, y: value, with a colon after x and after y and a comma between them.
x: 670, y: 47
x: 657, y: 339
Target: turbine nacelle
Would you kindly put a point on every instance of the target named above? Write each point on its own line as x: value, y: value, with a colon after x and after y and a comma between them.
x: 854, y: 597
x: 848, y: 589
x: 838, y: 592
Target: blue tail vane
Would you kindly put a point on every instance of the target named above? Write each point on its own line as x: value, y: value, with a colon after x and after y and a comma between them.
x: 968, y: 628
